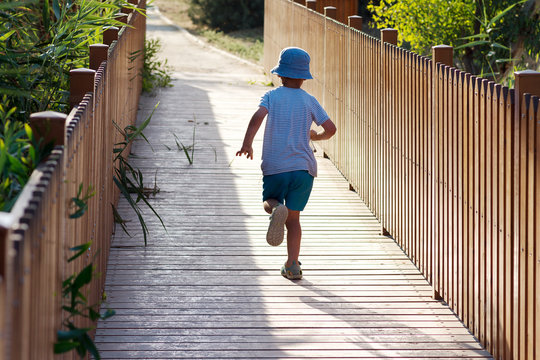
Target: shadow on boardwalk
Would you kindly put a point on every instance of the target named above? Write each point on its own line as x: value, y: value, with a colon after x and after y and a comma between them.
x: 210, y: 287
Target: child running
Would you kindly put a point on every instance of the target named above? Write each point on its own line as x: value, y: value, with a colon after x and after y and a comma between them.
x: 288, y: 163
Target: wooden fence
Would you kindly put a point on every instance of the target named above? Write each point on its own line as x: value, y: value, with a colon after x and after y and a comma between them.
x: 37, y: 235
x: 447, y: 161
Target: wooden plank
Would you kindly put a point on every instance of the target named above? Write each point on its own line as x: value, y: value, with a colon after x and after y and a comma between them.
x: 434, y: 333
x: 266, y: 323
x: 225, y: 345
x: 461, y: 239
x: 495, y: 268
x: 289, y: 354
x: 309, y: 340
x: 536, y: 199
x: 278, y: 310
x: 488, y: 216
x: 530, y: 219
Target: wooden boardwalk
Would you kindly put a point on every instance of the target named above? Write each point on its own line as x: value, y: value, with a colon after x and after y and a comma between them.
x: 210, y: 288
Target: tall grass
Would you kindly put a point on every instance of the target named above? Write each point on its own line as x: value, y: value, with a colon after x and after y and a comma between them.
x: 155, y: 72
x: 40, y: 41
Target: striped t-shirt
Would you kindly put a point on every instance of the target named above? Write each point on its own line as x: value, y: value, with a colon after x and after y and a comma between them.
x: 286, y: 136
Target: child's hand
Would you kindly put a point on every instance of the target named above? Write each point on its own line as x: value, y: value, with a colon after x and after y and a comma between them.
x: 248, y: 150
x: 312, y: 135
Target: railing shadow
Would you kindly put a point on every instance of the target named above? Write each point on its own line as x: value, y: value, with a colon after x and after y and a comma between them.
x: 194, y: 291
x: 384, y: 335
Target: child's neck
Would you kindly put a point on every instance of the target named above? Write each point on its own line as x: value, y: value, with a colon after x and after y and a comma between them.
x: 292, y: 83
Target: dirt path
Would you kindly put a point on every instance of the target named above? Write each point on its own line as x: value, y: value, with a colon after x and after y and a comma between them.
x: 188, y: 54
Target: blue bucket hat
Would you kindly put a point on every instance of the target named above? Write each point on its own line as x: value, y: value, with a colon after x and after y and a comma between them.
x: 293, y: 63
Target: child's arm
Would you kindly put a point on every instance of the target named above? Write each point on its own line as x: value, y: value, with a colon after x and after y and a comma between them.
x: 253, y: 127
x: 329, y: 129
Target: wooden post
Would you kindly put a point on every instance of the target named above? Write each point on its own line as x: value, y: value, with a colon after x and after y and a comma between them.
x: 356, y: 22
x: 331, y: 12
x: 98, y: 54
x: 442, y: 54
x: 81, y: 81
x: 311, y: 4
x: 389, y: 36
x: 526, y: 82
x: 49, y: 126
x: 110, y: 35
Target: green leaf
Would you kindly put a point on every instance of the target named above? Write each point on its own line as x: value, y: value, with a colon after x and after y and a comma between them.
x: 118, y: 219
x: 109, y: 313
x: 499, y: 46
x: 133, y: 205
x: 65, y: 346
x: 84, y: 277
x: 71, y: 334
x: 473, y: 43
x: 93, y: 315
x: 56, y: 9
x: 476, y: 36
x: 90, y: 346
x: 81, y: 249
x: 7, y: 35
x: 144, y: 124
x: 46, y: 15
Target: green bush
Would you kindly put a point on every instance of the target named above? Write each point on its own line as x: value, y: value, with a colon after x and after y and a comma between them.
x: 490, y: 38
x: 40, y: 41
x: 155, y: 72
x: 227, y: 15
x: 20, y: 153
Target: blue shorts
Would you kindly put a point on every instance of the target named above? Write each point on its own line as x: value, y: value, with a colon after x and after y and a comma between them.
x: 290, y: 188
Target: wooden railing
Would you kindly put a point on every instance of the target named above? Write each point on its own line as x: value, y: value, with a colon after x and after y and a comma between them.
x: 37, y: 235
x: 447, y: 161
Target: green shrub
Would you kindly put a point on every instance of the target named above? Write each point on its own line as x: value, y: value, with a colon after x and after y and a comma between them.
x: 227, y: 15
x: 490, y: 38
x: 155, y: 72
x: 40, y: 42
x: 20, y: 153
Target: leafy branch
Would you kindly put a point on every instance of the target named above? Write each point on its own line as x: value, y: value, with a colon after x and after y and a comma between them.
x: 74, y: 337
x: 129, y: 180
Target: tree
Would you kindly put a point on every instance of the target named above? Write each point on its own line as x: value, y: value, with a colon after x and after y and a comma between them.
x: 492, y: 38
x: 424, y: 23
x: 227, y: 15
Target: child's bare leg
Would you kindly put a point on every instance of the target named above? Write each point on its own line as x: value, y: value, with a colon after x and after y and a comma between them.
x: 269, y: 204
x: 294, y: 236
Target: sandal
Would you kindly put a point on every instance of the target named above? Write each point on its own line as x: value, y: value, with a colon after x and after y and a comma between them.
x: 293, y: 272
x: 274, y: 236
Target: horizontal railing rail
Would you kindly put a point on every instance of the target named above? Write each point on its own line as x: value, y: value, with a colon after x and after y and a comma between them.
x: 37, y: 235
x: 447, y: 161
